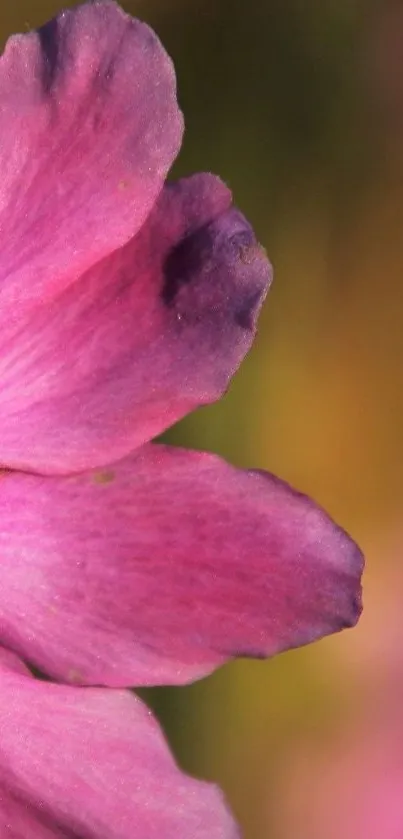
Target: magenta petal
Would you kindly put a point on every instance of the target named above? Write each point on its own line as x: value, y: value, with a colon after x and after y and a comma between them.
x: 91, y: 763
x: 89, y: 127
x: 166, y: 565
x: 148, y: 334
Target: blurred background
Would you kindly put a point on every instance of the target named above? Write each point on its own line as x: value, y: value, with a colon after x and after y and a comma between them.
x: 298, y: 105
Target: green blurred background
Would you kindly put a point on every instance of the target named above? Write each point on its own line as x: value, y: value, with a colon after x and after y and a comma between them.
x: 298, y: 105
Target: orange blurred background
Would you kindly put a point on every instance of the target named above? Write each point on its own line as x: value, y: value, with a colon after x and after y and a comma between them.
x: 299, y: 107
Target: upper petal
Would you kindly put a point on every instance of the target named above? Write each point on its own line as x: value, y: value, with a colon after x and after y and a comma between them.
x: 166, y: 565
x: 89, y: 127
x: 145, y: 336
x: 93, y: 764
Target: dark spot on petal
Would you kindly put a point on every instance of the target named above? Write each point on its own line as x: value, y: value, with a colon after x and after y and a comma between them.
x: 181, y: 265
x: 48, y: 36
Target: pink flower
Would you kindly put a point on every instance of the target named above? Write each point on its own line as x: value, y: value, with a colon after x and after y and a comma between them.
x: 125, y: 303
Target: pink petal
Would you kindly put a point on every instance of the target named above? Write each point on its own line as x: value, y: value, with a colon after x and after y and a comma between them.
x: 89, y: 127
x: 91, y: 763
x: 148, y: 334
x: 164, y: 566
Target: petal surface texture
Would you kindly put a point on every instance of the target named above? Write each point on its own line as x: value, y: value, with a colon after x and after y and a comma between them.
x: 165, y: 566
x: 92, y: 763
x: 145, y: 336
x: 89, y: 127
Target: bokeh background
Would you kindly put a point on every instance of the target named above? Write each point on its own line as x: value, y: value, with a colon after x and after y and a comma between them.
x: 298, y: 104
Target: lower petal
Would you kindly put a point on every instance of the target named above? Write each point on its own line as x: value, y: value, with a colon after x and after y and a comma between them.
x: 91, y: 763
x: 164, y: 566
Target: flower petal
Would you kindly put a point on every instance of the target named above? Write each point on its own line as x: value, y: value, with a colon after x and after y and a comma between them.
x: 148, y: 334
x: 163, y: 567
x: 89, y: 127
x: 91, y: 763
